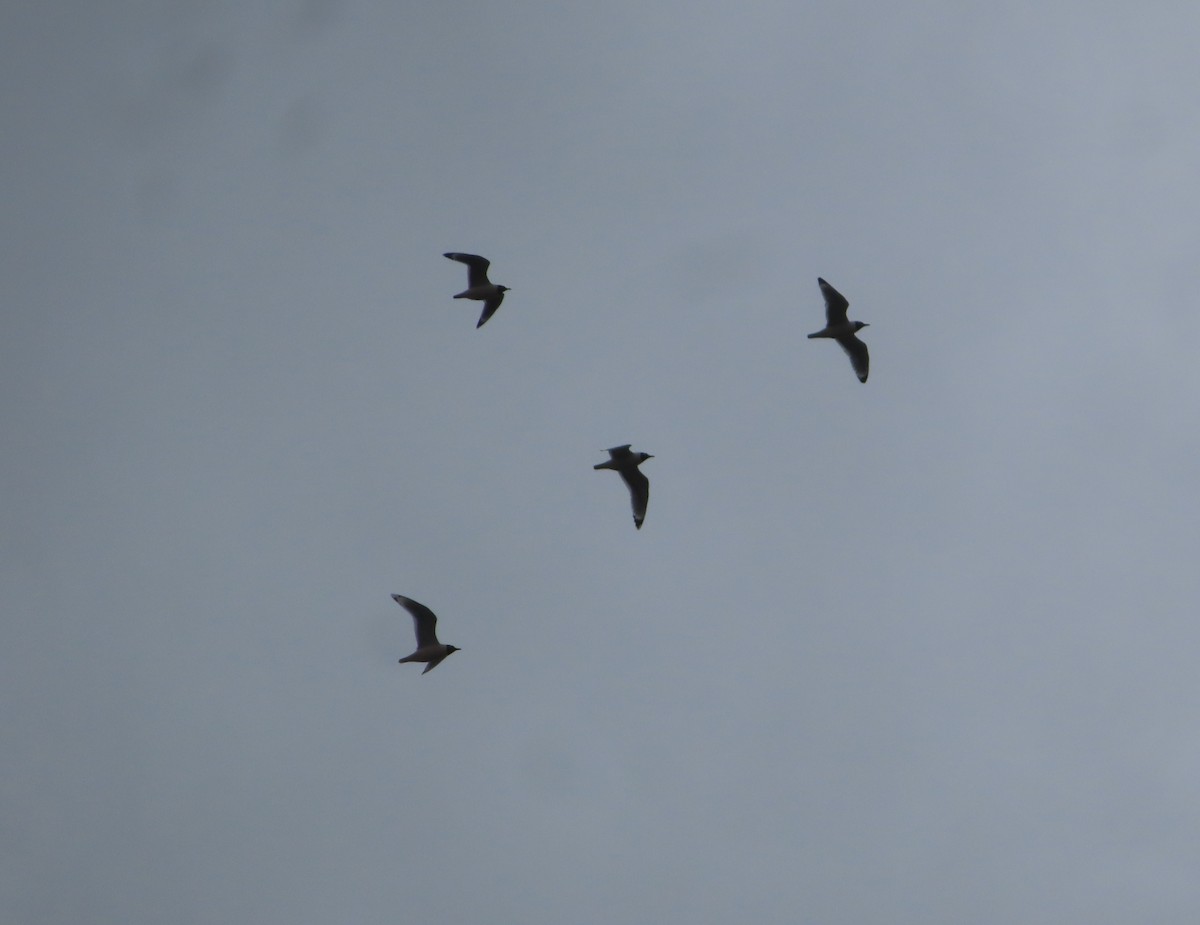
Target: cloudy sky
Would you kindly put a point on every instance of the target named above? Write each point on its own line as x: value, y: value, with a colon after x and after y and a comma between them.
x: 916, y: 651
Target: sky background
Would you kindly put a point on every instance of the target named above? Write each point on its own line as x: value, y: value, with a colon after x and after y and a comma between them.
x: 919, y: 651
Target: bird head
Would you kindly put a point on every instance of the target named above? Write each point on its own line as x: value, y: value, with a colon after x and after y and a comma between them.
x: 859, y: 325
x: 644, y: 457
x: 450, y: 649
x: 504, y: 289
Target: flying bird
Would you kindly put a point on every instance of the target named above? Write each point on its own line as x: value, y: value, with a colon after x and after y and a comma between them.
x: 425, y: 623
x: 479, y: 287
x: 842, y: 330
x: 626, y: 464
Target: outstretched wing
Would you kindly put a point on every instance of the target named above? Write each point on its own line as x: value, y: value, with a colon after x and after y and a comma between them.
x: 433, y: 663
x: 860, y: 359
x: 424, y: 620
x: 489, y: 308
x: 639, y: 493
x: 836, y: 305
x: 477, y: 268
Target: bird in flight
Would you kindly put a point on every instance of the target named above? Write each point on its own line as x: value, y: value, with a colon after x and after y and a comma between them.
x: 425, y: 623
x: 840, y: 329
x: 626, y: 464
x: 479, y: 287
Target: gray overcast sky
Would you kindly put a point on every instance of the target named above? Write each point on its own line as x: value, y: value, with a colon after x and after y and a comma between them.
x: 920, y: 651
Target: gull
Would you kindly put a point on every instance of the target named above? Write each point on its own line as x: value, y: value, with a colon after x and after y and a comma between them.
x: 842, y: 331
x: 479, y: 287
x: 626, y: 464
x: 425, y: 623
